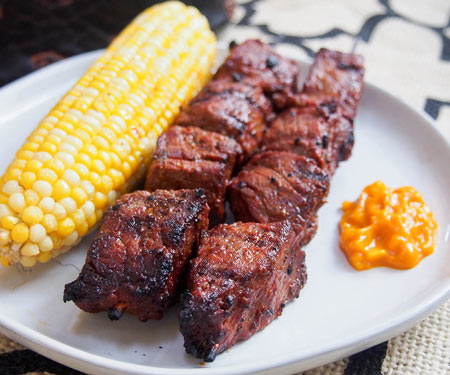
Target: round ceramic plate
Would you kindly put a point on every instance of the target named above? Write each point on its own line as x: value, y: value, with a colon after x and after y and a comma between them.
x: 339, y: 312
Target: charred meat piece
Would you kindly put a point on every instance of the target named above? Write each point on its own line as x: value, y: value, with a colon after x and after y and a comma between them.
x: 143, y: 246
x: 237, y: 110
x: 258, y: 64
x: 193, y: 143
x: 188, y: 158
x: 243, y: 276
x: 312, y: 132
x: 336, y: 75
x: 302, y: 174
x: 277, y: 186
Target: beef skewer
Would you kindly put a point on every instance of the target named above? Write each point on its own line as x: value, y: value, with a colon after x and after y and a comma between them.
x: 139, y: 253
x: 288, y: 180
x: 240, y: 281
x: 318, y: 126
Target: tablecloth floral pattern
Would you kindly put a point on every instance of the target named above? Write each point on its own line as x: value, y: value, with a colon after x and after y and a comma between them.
x: 406, y: 45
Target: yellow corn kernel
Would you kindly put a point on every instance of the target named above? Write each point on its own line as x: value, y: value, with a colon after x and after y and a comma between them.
x: 43, y: 188
x: 33, y: 166
x: 31, y: 197
x: 68, y: 204
x: 66, y: 227
x: 99, y: 200
x: 37, y: 233
x: 55, y: 165
x: 32, y: 215
x: 48, y: 175
x: 17, y: 202
x: 28, y: 261
x: 20, y: 233
x: 50, y: 223
x: 8, y: 222
x: 44, y: 257
x: 46, y: 244
x: 29, y: 249
x: 47, y: 204
x: 61, y: 190
x: 11, y: 187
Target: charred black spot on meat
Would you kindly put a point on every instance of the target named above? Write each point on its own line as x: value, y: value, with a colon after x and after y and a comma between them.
x: 325, y: 141
x: 345, y: 66
x: 232, y: 44
x: 242, y: 184
x: 273, y: 180
x: 229, y: 300
x: 115, y: 314
x: 236, y: 77
x: 211, y: 355
x: 289, y: 270
x: 297, y: 141
x: 174, y: 234
x: 271, y: 61
x: 199, y: 192
x: 327, y: 108
x: 186, y: 316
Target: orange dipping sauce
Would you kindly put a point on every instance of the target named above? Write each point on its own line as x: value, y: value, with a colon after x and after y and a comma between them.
x: 387, y: 227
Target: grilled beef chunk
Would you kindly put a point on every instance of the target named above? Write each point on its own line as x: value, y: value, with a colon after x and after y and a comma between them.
x: 312, y: 132
x: 302, y: 174
x: 257, y: 63
x: 276, y: 186
x: 144, y: 244
x: 243, y: 276
x: 237, y: 110
x: 339, y: 76
x: 188, y: 158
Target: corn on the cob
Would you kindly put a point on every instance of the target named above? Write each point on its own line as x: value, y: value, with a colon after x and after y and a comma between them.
x: 95, y: 144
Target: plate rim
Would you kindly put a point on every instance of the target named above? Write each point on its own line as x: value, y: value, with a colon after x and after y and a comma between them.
x: 85, y: 361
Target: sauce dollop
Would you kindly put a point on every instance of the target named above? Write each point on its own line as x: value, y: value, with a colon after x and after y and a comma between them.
x: 387, y: 227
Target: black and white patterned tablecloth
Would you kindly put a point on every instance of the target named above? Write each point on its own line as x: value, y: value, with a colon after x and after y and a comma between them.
x: 406, y: 45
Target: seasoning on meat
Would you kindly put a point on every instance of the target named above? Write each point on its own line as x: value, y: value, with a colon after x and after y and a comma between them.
x: 258, y: 64
x: 188, y: 158
x: 142, y: 248
x: 244, y: 275
x: 235, y: 109
x: 276, y: 186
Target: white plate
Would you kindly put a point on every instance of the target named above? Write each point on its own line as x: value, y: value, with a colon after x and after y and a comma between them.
x: 339, y: 312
